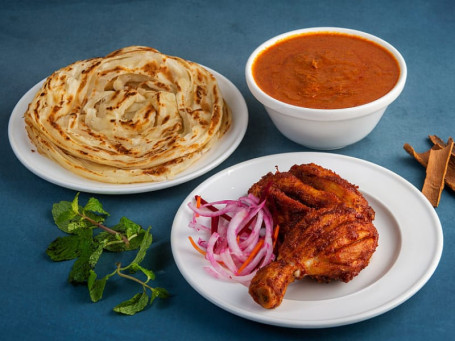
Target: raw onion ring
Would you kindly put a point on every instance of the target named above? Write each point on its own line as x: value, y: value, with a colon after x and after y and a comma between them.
x: 240, y: 243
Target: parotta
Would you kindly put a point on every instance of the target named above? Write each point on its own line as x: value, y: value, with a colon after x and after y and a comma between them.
x: 135, y: 115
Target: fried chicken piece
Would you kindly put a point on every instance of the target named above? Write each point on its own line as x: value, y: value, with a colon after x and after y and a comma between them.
x: 326, y: 230
x: 327, y: 244
x: 294, y: 188
x: 305, y: 188
x: 290, y: 199
x: 326, y: 180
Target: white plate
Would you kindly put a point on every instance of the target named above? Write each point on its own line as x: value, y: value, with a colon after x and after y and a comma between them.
x: 54, y: 173
x: 410, y: 246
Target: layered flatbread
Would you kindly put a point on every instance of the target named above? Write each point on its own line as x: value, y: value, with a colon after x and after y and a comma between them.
x: 136, y: 115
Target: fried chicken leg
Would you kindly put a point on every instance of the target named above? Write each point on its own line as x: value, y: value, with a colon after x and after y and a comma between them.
x: 328, y: 244
x: 326, y: 230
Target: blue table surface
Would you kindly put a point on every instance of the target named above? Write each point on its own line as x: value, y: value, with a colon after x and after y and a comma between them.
x: 38, y: 37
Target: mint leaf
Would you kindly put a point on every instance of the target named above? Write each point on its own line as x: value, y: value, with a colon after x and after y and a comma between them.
x: 96, y: 254
x: 80, y: 270
x: 134, y: 232
x: 92, y: 220
x: 73, y: 226
x: 96, y: 286
x: 134, y: 305
x: 148, y: 273
x: 129, y: 227
x: 86, y: 248
x: 145, y: 244
x: 64, y: 248
x: 63, y: 215
x: 75, y: 204
x: 116, y: 244
x: 94, y: 205
x: 159, y: 293
x: 91, y: 278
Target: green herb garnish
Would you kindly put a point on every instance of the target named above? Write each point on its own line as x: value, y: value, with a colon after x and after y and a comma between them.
x: 86, y: 247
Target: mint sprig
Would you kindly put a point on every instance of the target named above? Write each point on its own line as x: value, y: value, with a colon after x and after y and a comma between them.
x: 86, y: 248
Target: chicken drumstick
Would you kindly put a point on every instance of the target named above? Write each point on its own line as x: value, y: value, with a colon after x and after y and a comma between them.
x: 327, y: 244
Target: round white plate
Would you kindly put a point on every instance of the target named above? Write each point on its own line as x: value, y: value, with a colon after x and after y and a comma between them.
x: 410, y: 246
x: 54, y: 173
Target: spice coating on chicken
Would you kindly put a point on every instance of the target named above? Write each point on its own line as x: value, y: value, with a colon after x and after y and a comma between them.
x: 324, y: 239
x: 326, y: 180
x: 289, y: 199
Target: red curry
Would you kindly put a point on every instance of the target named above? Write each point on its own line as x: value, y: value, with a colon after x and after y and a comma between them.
x: 326, y: 70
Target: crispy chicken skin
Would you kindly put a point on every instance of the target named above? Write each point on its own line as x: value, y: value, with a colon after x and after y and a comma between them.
x: 329, y: 232
x: 289, y: 199
x: 326, y: 180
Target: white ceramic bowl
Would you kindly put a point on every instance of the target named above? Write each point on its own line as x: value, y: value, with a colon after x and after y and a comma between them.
x: 325, y: 129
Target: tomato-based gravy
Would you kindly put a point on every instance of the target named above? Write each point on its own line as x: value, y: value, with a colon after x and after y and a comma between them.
x: 326, y: 70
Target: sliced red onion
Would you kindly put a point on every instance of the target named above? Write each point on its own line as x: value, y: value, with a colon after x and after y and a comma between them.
x: 241, y: 225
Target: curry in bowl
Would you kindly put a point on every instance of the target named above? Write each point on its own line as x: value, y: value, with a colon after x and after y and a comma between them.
x: 325, y: 70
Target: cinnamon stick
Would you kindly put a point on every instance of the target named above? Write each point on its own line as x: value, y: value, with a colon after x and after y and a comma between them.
x: 437, y: 141
x: 450, y: 175
x: 438, y: 161
x: 422, y: 158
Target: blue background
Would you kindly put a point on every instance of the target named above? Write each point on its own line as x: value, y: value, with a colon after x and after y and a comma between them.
x: 38, y: 37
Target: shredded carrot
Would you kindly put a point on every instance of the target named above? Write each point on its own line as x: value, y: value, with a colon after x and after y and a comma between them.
x: 198, y: 203
x: 251, y: 256
x: 275, y: 235
x: 196, y: 246
x: 198, y: 249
